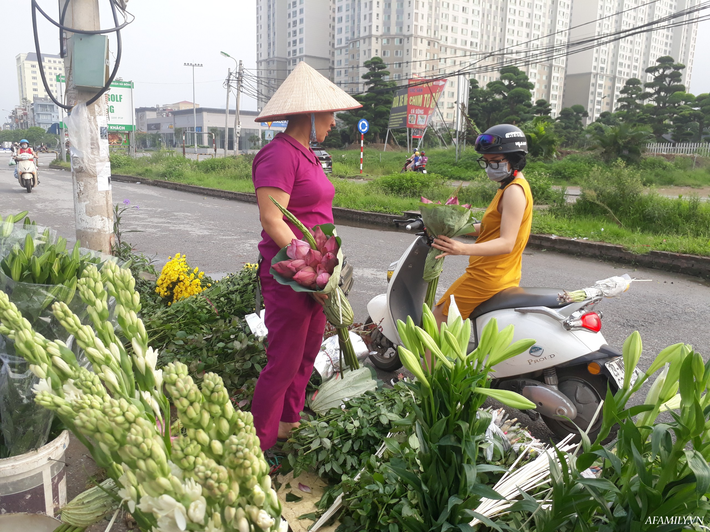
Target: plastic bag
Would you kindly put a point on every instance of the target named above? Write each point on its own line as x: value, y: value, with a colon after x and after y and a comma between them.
x: 19, y: 233
x: 12, y: 162
x: 25, y: 424
x: 327, y: 361
x: 89, y: 149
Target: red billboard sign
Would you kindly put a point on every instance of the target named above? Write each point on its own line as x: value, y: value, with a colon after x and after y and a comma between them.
x: 421, y: 101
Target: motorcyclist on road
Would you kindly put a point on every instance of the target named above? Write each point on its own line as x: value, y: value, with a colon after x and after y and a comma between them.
x: 421, y: 163
x: 25, y: 148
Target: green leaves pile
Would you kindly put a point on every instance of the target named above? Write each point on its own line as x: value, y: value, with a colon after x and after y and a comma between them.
x: 340, y: 442
x: 656, y: 469
x: 207, y: 332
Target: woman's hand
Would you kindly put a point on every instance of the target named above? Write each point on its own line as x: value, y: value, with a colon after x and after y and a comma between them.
x: 320, y: 298
x: 449, y: 246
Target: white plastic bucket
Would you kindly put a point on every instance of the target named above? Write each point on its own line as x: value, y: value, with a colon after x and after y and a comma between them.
x: 29, y: 522
x: 34, y: 482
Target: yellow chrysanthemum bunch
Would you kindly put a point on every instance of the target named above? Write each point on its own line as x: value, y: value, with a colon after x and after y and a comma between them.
x: 178, y: 281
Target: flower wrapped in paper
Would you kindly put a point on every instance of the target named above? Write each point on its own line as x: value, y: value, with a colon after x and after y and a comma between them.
x: 313, y: 265
x: 449, y: 219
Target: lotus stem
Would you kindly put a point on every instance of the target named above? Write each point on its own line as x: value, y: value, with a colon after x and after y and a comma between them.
x: 307, y: 235
x: 431, y: 293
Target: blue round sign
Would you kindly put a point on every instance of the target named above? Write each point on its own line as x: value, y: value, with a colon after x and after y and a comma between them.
x: 363, y: 126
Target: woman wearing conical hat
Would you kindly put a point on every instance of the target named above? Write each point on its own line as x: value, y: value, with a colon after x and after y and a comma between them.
x: 289, y: 171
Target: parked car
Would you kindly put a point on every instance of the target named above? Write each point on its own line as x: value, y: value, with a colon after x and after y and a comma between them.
x: 326, y: 161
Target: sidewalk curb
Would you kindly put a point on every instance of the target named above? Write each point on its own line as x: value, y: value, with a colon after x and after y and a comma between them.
x: 659, y: 260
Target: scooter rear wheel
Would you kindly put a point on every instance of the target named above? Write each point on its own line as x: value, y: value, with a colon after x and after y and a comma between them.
x: 586, y: 391
x: 383, y: 353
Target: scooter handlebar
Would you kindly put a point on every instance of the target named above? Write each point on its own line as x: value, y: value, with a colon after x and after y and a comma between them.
x: 413, y: 224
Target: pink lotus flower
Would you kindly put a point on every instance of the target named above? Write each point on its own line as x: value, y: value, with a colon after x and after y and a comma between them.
x: 296, y: 265
x: 297, y: 249
x: 313, y: 258
x: 283, y: 268
x: 320, y: 237
x: 329, y: 262
x: 331, y: 246
x: 453, y: 200
x: 322, y: 279
x: 306, y: 276
x: 466, y: 206
x: 424, y: 200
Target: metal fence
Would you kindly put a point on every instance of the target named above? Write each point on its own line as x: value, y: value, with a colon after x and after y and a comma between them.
x: 683, y: 148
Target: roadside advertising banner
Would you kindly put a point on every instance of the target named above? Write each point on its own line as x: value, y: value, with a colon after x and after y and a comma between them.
x: 398, y: 113
x: 421, y: 101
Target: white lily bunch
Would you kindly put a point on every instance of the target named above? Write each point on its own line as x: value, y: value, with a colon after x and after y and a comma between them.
x: 213, y: 477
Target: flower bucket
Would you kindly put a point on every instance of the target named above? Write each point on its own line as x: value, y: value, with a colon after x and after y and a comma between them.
x: 34, y: 482
x: 30, y: 522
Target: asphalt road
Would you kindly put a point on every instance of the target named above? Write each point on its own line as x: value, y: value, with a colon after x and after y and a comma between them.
x: 220, y: 236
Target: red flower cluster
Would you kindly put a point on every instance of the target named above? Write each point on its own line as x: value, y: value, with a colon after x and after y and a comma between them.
x: 453, y: 200
x: 311, y: 268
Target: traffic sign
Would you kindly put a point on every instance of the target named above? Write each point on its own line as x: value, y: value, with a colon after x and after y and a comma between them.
x: 363, y: 126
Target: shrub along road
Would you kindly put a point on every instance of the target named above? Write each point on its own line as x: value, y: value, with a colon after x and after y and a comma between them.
x: 219, y: 236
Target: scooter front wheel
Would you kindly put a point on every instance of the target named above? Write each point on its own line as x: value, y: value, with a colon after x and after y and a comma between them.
x: 28, y: 186
x: 383, y: 353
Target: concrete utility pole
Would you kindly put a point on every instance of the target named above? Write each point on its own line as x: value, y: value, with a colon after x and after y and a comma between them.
x: 226, y: 113
x: 237, y: 122
x: 194, y: 112
x: 93, y: 203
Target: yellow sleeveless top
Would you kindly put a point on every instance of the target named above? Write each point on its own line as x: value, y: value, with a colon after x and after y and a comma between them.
x: 486, y: 276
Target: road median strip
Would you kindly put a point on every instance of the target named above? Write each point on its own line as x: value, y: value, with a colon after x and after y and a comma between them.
x: 660, y: 260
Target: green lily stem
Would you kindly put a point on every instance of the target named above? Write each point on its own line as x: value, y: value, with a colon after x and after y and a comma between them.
x: 431, y: 292
x: 347, y: 352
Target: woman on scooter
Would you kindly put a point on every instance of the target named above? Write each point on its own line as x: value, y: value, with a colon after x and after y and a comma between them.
x: 496, y: 255
x: 288, y: 170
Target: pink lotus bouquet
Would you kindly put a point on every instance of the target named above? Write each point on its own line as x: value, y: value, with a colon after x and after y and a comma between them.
x: 313, y: 265
x: 311, y: 268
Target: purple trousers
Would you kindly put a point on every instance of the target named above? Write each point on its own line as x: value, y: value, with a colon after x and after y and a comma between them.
x: 296, y: 323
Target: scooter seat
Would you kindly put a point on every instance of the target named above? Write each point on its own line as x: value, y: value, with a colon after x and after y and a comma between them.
x: 517, y: 297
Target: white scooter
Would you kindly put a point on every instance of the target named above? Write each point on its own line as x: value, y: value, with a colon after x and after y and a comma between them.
x: 565, y: 373
x: 26, y: 171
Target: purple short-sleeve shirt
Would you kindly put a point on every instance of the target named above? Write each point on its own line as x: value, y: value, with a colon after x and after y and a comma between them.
x: 286, y: 164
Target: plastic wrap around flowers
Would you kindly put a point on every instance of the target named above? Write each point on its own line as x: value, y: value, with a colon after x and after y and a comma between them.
x: 310, y: 268
x: 449, y: 219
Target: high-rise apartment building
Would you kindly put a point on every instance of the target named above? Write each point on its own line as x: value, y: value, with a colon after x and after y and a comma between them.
x: 289, y: 31
x: 471, y: 38
x: 29, y: 82
x: 456, y: 39
x: 594, y: 78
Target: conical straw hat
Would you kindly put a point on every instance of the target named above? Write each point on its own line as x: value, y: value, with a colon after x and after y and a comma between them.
x: 306, y: 91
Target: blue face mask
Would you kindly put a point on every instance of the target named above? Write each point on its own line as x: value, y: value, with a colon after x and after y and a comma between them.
x: 498, y: 174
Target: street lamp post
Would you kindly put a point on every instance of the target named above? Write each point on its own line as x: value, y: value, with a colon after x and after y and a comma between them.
x: 226, y: 118
x: 237, y: 124
x: 194, y: 112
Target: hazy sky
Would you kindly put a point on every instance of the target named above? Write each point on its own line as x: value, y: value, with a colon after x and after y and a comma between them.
x: 168, y: 33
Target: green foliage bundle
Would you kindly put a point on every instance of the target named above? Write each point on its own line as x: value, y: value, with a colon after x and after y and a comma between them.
x: 208, y: 332
x: 339, y: 443
x: 656, y: 469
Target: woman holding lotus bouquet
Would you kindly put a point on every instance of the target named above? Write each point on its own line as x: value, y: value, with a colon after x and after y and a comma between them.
x: 288, y: 171
x: 496, y: 256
